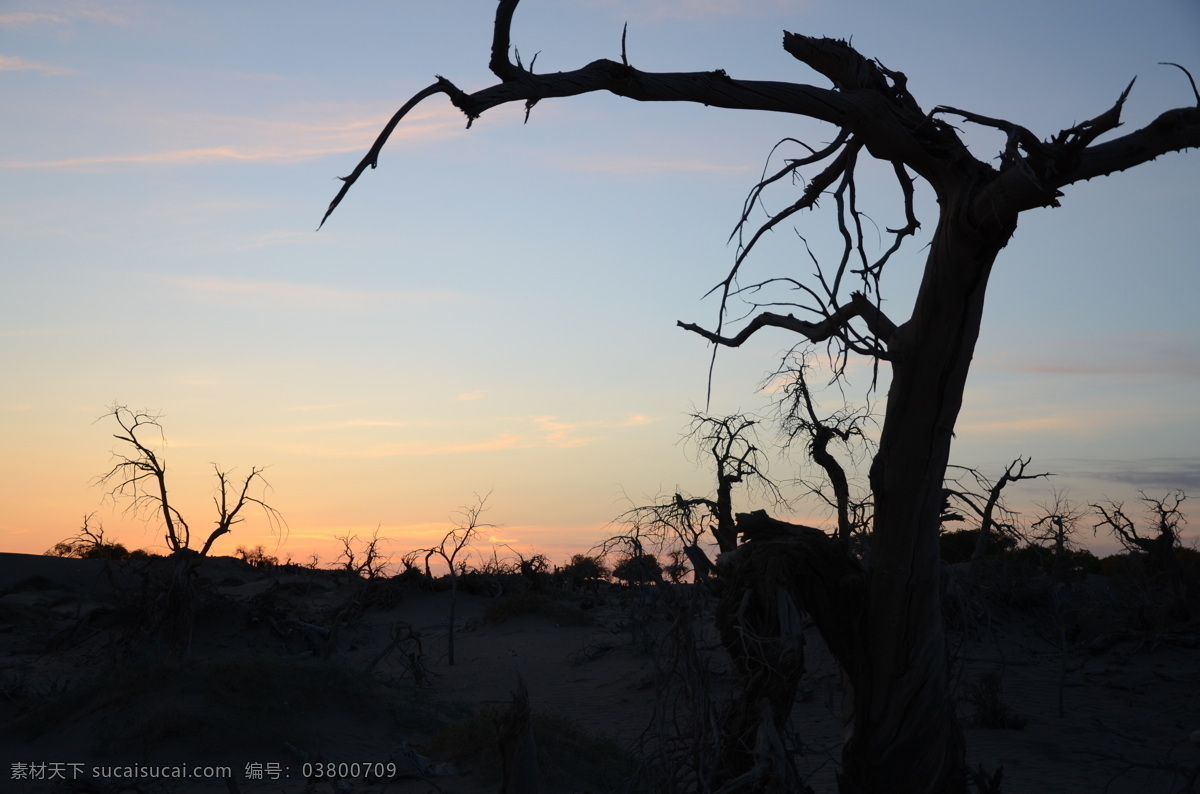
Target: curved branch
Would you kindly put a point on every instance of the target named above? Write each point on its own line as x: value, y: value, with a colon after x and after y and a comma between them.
x: 1192, y: 80
x: 879, y: 108
x: 833, y: 325
x: 442, y: 86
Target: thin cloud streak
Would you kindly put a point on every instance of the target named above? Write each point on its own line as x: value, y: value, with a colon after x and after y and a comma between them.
x: 28, y: 18
x: 15, y: 63
x: 1168, y: 355
x: 66, y: 13
x: 1069, y: 424
x: 249, y: 139
x: 547, y: 432
x: 1149, y: 474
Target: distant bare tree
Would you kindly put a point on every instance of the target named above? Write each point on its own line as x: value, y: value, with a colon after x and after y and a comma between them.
x: 1167, y: 520
x: 732, y: 446
x: 369, y: 561
x: 1057, y: 523
x: 466, y: 528
x: 89, y: 543
x: 731, y: 442
x: 988, y: 505
x: 800, y: 422
x: 140, y: 477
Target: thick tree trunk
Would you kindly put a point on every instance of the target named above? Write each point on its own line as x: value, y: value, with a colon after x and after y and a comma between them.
x: 780, y: 567
x: 905, y: 727
x: 887, y: 631
x: 726, y: 530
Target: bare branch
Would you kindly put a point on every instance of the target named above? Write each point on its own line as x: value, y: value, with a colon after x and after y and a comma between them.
x: 132, y: 475
x: 228, y: 516
x: 442, y: 86
x: 1191, y: 79
x: 991, y: 504
x: 142, y: 480
x: 834, y: 325
x: 799, y: 419
x: 1167, y: 520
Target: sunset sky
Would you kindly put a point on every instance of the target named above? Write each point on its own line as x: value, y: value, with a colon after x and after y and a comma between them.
x: 493, y: 310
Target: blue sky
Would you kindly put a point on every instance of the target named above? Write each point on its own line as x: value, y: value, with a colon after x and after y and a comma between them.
x: 494, y: 309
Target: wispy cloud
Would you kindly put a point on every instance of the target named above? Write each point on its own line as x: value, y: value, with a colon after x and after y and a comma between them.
x: 522, y: 432
x: 1150, y: 474
x: 21, y: 19
x: 637, y: 420
x: 287, y: 135
x: 1060, y: 422
x: 557, y: 433
x: 1159, y: 354
x: 469, y: 396
x: 302, y: 295
x: 551, y: 431
x: 15, y: 63
x: 63, y: 13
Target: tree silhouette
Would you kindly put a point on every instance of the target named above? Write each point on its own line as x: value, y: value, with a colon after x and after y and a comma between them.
x: 1167, y: 520
x: 140, y: 478
x: 883, y: 623
x: 799, y: 421
x: 731, y: 443
x: 463, y: 534
x: 987, y: 505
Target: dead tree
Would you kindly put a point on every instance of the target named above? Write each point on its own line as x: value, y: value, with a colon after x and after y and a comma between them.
x: 731, y: 443
x: 987, y: 505
x: 1167, y: 521
x: 1057, y: 525
x: 140, y: 478
x: 904, y: 735
x: 88, y: 543
x: 799, y: 421
x: 466, y: 528
x: 738, y: 459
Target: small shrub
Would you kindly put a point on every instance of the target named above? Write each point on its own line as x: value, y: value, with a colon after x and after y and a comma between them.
x: 88, y: 550
x: 257, y: 557
x: 638, y: 569
x: 583, y: 569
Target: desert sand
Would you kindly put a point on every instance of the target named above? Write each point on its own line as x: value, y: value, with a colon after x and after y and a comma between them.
x: 289, y: 670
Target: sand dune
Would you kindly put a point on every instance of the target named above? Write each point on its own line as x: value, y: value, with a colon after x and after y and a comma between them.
x: 290, y: 667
